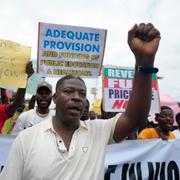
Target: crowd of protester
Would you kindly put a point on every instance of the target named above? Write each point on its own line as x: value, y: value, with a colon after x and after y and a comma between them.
x: 71, y: 105
x: 27, y: 115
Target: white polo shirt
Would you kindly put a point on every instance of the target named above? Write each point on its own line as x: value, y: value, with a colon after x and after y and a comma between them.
x: 38, y: 153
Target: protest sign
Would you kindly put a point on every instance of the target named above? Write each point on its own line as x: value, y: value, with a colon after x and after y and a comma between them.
x: 13, y: 60
x: 73, y: 50
x: 117, y: 88
x: 32, y: 84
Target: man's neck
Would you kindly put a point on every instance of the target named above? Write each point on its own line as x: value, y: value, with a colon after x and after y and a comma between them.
x: 61, y: 124
x: 42, y: 111
x: 65, y: 131
x: 163, y: 131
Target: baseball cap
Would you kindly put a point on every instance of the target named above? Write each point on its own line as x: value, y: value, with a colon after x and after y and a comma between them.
x: 44, y: 84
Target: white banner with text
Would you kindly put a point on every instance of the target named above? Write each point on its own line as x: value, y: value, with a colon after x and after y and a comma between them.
x: 131, y: 159
x: 143, y: 160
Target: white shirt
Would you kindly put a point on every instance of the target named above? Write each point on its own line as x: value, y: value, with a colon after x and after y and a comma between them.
x: 177, y: 133
x: 28, y: 119
x: 38, y: 153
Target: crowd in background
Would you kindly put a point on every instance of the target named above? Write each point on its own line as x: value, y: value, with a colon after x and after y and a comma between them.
x: 29, y: 112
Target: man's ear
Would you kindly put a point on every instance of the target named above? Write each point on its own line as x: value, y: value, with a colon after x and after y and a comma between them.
x: 54, y: 98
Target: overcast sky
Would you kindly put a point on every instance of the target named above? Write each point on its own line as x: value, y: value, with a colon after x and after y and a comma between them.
x: 19, y: 22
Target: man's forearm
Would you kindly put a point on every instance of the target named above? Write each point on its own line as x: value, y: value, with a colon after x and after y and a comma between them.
x: 140, y: 100
x: 19, y: 96
x: 10, y: 110
x: 4, y: 97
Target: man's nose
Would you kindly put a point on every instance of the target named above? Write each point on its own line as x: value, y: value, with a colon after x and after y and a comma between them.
x: 76, y: 96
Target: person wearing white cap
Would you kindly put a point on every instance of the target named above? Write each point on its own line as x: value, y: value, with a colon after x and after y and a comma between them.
x: 40, y: 113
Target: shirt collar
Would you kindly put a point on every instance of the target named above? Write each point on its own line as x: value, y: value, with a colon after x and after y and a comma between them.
x: 48, y: 125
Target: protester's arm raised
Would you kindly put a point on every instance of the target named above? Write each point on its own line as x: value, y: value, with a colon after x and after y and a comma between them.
x: 32, y: 102
x: 143, y: 41
x: 4, y: 98
x: 11, y: 108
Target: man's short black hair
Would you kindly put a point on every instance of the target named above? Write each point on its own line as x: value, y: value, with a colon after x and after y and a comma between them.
x: 61, y: 81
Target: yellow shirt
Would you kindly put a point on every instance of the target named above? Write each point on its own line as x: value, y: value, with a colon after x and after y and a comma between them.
x: 151, y: 133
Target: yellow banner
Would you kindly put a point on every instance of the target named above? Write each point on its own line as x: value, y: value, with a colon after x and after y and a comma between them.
x: 13, y: 60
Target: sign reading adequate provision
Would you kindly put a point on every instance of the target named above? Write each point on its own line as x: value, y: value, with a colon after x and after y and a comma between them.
x: 64, y: 50
x: 117, y: 88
